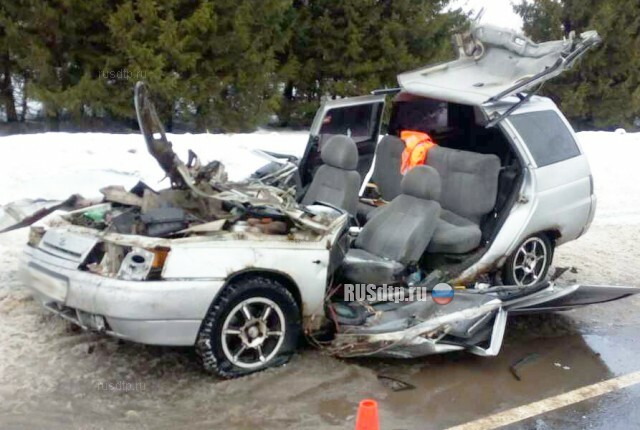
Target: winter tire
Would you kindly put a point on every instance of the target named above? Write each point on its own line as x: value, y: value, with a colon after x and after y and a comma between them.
x: 530, y: 262
x: 252, y: 325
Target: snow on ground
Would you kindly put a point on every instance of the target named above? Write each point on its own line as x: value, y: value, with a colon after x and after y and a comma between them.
x: 614, y: 161
x: 56, y: 165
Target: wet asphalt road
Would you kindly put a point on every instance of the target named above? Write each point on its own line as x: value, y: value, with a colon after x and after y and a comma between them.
x: 53, y: 376
x: 567, y: 352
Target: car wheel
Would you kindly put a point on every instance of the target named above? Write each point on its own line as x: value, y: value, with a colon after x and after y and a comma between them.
x: 254, y: 324
x: 530, y: 262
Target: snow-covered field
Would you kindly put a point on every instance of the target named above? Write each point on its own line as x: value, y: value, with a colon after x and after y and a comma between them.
x: 56, y: 165
x: 614, y: 163
x: 52, y: 376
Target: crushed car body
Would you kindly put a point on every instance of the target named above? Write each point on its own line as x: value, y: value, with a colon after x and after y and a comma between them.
x: 241, y: 269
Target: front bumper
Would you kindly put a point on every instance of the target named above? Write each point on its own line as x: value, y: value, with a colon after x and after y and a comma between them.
x: 150, y: 312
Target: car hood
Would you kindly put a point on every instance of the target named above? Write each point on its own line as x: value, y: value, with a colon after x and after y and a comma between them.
x: 494, y: 63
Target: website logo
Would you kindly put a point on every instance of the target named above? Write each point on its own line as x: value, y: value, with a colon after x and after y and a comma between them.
x: 442, y: 294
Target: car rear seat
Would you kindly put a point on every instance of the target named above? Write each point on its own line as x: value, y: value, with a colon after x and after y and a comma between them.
x: 469, y: 192
x: 386, y: 174
x: 386, y: 170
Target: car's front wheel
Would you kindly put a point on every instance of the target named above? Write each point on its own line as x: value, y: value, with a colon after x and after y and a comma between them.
x: 254, y: 324
x: 530, y: 262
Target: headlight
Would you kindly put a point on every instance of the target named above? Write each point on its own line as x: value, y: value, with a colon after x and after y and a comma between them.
x: 36, y: 234
x: 140, y: 264
x: 136, y: 265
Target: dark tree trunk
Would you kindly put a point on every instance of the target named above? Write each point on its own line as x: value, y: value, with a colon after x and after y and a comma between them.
x: 288, y: 91
x: 6, y: 91
x: 169, y: 124
x: 23, y: 114
x: 52, y: 121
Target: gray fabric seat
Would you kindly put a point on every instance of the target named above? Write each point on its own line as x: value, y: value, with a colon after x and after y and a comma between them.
x: 386, y: 169
x: 399, y: 233
x: 337, y: 181
x: 386, y: 172
x: 454, y: 235
x: 469, y: 192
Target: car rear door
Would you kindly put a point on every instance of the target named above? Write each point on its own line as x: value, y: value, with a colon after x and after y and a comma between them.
x: 357, y: 117
x: 563, y: 196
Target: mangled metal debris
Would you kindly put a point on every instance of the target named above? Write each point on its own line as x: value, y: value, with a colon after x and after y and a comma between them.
x: 208, y: 227
x: 201, y: 200
x: 247, y: 207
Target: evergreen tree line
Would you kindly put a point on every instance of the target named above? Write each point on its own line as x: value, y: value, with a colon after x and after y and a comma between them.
x: 229, y: 65
x: 603, y: 90
x: 217, y: 65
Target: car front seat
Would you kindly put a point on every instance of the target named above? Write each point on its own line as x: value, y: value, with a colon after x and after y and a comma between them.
x: 336, y: 182
x: 399, y: 233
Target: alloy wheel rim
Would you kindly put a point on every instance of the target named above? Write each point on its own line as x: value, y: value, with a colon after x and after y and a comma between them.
x: 530, y: 261
x: 253, y: 332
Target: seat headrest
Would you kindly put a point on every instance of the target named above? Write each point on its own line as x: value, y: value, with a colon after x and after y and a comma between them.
x: 341, y: 152
x: 422, y: 182
x: 392, y: 143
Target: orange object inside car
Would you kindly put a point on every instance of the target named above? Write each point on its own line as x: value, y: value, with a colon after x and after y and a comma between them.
x: 416, y: 149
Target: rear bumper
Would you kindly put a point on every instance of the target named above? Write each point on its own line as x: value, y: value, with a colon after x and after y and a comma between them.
x: 150, y: 312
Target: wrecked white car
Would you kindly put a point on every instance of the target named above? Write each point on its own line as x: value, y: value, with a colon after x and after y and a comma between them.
x: 241, y: 270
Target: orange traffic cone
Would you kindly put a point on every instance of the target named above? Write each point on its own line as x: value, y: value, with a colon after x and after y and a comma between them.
x: 367, y: 418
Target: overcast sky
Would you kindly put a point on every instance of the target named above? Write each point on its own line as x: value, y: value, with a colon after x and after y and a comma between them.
x: 498, y: 12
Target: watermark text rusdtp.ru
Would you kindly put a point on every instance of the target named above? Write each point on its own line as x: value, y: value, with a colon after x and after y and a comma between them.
x: 394, y: 293
x: 121, y: 386
x: 123, y: 74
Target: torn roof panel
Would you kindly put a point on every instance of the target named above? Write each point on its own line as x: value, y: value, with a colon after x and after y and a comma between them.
x: 495, y: 62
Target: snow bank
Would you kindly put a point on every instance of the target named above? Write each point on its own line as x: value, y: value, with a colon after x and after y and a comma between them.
x: 56, y: 165
x: 614, y: 159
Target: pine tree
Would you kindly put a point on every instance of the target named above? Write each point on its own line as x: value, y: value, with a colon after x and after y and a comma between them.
x: 350, y: 48
x: 144, y: 45
x: 214, y: 64
x: 232, y: 84
x: 64, y: 42
x: 212, y: 60
x: 603, y: 90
